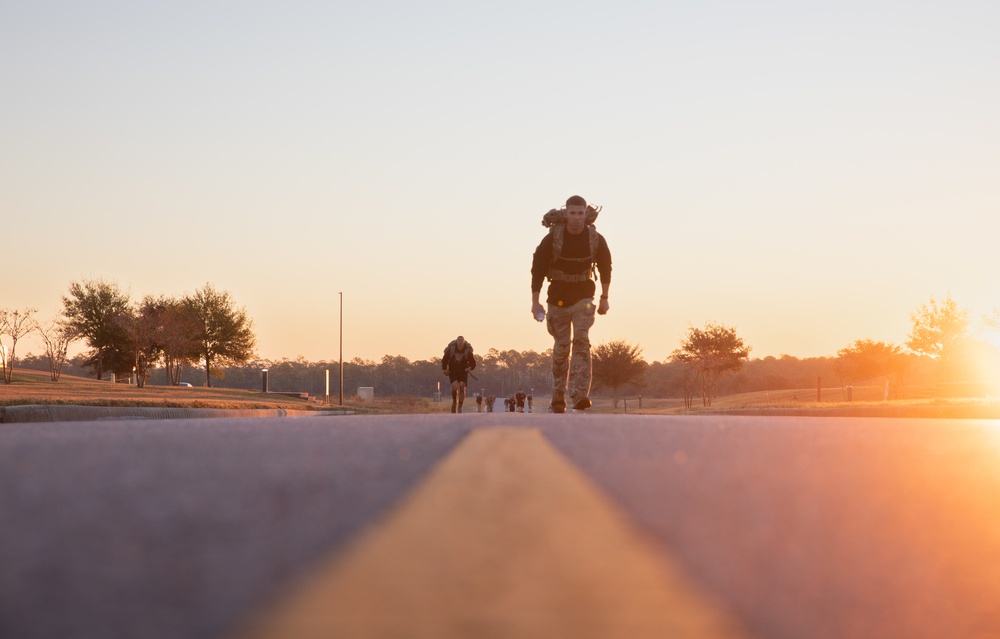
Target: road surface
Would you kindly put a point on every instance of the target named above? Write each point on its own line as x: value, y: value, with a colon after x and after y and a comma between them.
x: 501, y: 525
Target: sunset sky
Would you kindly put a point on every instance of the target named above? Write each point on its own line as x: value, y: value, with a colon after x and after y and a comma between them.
x: 809, y: 173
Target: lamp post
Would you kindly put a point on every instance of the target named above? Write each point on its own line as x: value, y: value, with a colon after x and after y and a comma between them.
x: 341, y: 348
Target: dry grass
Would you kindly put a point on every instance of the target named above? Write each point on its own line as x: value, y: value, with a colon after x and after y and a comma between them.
x: 865, y: 402
x: 34, y: 387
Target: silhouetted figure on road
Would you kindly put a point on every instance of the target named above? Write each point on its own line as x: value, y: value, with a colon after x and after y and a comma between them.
x: 568, y: 256
x: 458, y: 360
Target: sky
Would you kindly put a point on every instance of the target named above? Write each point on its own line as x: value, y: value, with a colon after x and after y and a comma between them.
x: 809, y: 174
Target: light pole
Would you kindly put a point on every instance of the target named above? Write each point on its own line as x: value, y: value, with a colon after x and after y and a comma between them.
x: 341, y: 348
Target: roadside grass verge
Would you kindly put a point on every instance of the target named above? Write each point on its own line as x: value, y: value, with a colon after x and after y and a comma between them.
x: 35, y: 387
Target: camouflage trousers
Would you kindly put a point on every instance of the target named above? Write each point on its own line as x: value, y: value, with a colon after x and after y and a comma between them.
x: 570, y: 326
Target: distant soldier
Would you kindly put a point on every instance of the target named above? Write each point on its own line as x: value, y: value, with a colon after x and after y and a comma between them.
x: 458, y: 360
x: 519, y: 398
x: 529, y: 402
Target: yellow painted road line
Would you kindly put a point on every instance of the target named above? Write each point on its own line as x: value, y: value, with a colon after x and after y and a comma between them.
x: 504, y: 538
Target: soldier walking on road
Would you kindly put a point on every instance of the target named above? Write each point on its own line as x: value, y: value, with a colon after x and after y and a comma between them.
x: 458, y: 360
x: 567, y: 256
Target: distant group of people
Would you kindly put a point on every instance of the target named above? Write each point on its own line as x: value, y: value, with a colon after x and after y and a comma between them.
x: 489, y: 400
x: 515, y: 403
x: 570, y: 256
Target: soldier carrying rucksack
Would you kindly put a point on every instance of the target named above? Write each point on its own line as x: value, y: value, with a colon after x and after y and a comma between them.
x: 570, y: 256
x: 456, y: 363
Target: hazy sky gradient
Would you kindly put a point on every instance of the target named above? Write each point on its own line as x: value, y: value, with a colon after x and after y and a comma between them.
x: 809, y: 173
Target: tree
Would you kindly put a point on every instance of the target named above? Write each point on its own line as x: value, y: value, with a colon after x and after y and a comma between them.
x: 57, y: 336
x: 224, y: 333
x: 392, y: 372
x: 689, y: 385
x: 92, y: 310
x: 143, y: 328
x: 712, y: 352
x: 539, y: 369
x: 15, y: 325
x: 500, y: 367
x: 177, y: 337
x: 366, y: 369
x: 866, y: 359
x: 941, y: 332
x: 617, y: 364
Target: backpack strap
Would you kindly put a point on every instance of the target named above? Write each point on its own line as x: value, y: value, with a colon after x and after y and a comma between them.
x: 451, y: 352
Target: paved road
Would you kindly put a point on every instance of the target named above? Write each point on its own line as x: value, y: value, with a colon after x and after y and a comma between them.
x: 501, y: 525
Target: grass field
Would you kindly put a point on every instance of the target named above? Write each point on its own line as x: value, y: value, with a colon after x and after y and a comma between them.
x: 35, y: 387
x: 981, y: 402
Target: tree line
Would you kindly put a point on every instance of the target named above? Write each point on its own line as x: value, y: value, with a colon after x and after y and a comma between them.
x: 128, y: 338
x: 204, y: 337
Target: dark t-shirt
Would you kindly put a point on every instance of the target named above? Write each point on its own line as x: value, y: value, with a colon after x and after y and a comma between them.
x: 568, y: 293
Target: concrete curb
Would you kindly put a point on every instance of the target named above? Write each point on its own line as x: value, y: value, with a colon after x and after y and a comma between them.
x: 68, y: 413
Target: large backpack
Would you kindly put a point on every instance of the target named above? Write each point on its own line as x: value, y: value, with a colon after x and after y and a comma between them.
x: 452, y: 349
x: 555, y: 221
